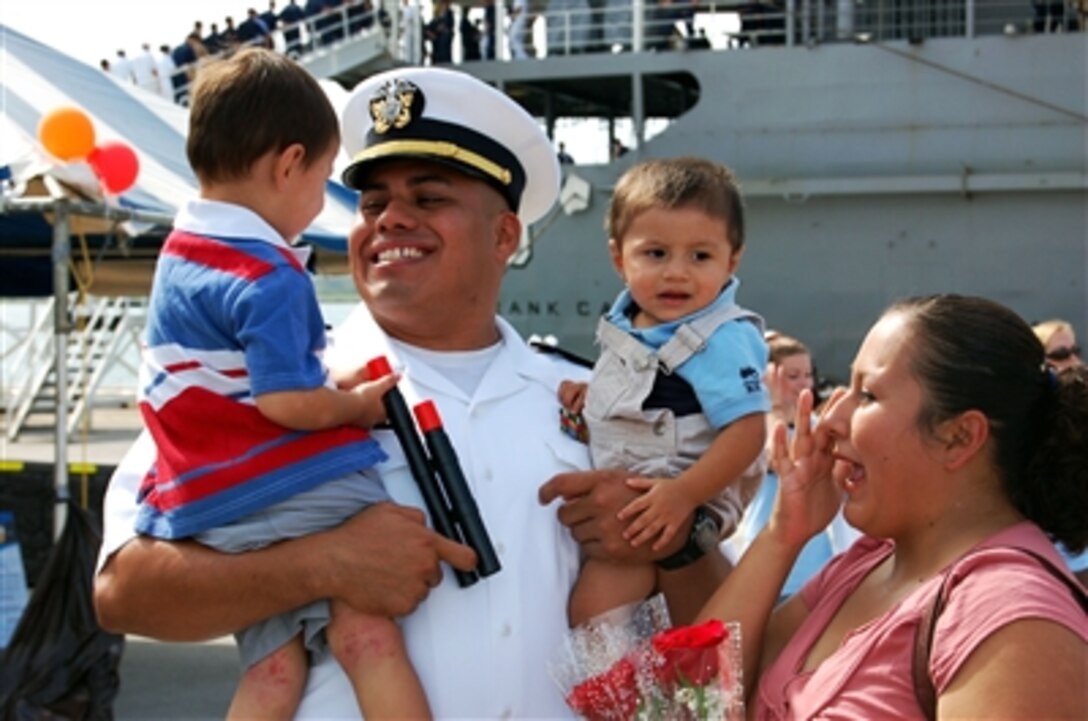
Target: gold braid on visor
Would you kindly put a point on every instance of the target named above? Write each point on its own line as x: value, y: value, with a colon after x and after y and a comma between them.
x: 439, y: 149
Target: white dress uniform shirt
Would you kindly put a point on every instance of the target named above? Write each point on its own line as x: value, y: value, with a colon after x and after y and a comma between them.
x: 482, y: 651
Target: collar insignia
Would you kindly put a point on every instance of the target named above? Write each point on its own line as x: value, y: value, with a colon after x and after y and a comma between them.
x: 395, y: 105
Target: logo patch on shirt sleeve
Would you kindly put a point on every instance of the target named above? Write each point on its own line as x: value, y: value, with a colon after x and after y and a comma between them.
x: 749, y: 376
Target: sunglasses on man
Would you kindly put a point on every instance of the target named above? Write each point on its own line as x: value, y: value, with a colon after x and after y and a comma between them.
x: 1063, y: 353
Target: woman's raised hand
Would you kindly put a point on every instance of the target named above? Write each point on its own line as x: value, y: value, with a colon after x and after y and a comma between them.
x: 807, y: 496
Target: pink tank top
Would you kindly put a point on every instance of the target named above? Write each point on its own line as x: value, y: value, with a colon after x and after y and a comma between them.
x: 869, y: 676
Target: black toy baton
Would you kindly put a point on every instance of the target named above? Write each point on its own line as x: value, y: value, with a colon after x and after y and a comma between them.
x: 448, y: 467
x: 418, y: 463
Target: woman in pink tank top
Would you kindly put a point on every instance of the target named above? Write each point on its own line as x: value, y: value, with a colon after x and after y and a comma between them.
x: 960, y: 455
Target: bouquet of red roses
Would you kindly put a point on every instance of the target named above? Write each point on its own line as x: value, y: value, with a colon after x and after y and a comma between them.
x: 630, y: 665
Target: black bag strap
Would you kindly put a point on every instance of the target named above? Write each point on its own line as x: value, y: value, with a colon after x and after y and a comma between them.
x: 924, y: 689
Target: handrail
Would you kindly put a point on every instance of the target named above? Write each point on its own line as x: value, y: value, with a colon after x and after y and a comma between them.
x: 104, y: 351
x: 39, y: 366
x: 569, y: 27
x: 107, y: 329
x: 29, y: 360
x: 577, y: 27
x: 311, y: 35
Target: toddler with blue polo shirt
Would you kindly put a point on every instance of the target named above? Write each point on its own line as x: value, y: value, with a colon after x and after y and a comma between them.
x: 257, y: 441
x: 676, y: 396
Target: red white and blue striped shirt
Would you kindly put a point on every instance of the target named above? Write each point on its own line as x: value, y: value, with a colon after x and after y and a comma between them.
x: 233, y: 314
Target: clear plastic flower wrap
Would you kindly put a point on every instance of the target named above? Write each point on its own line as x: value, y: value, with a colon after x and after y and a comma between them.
x: 630, y: 664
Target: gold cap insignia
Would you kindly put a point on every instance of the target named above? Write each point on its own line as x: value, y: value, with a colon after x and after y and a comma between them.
x: 394, y: 104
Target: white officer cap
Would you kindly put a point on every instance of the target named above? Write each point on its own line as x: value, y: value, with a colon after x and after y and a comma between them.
x: 453, y: 118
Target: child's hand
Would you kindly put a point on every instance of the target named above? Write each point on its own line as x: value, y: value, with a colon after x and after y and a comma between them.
x: 369, y: 395
x: 659, y: 512
x: 347, y: 378
x: 572, y: 395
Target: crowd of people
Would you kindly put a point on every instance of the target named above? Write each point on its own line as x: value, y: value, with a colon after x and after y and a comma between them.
x: 295, y: 30
x: 429, y: 33
x: 955, y: 453
x: 169, y: 69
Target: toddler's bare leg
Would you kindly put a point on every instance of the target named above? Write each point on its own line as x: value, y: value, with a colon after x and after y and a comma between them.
x: 272, y: 688
x: 602, y: 586
x: 371, y: 651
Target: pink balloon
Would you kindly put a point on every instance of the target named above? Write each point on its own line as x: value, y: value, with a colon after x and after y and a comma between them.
x: 115, y: 164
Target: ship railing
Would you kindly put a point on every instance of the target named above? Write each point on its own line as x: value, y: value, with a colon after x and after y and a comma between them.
x: 335, y: 26
x: 570, y: 27
x: 566, y: 27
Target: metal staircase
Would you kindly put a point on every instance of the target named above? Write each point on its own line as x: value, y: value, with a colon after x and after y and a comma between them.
x: 103, y: 329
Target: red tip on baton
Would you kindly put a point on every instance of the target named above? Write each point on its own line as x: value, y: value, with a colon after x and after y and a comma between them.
x: 378, y: 368
x: 427, y: 416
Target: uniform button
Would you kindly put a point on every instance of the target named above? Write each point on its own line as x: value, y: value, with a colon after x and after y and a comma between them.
x: 659, y: 427
x: 500, y: 549
x: 507, y: 629
x: 488, y: 475
x: 506, y: 713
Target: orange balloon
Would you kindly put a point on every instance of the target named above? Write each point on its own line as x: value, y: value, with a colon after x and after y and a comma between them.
x: 67, y: 133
